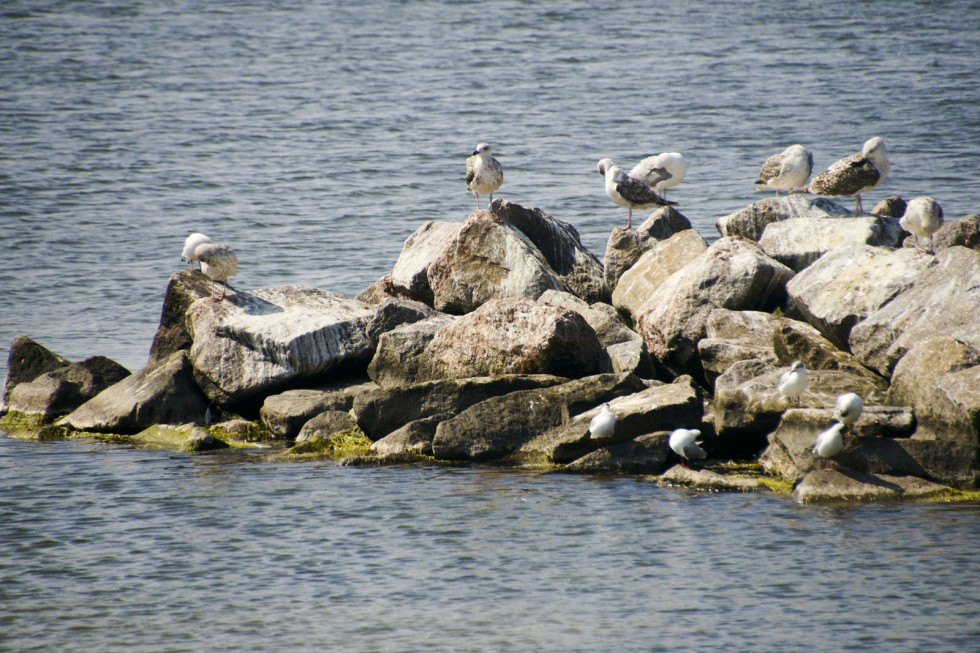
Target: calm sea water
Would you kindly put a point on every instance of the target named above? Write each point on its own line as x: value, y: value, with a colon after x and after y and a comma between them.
x: 315, y: 137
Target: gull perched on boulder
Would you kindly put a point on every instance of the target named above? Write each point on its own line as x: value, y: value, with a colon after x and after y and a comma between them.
x: 218, y: 261
x: 830, y: 442
x: 603, y: 425
x: 787, y: 170
x: 848, y: 410
x: 190, y: 244
x: 628, y: 192
x: 660, y: 172
x: 684, y: 442
x: 923, y: 217
x: 484, y: 174
x: 794, y: 382
x: 859, y: 173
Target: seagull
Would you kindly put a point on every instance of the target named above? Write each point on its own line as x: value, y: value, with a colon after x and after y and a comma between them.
x: 684, y: 442
x: 660, y: 172
x: 855, y: 174
x: 830, y: 442
x: 923, y: 217
x: 218, y: 261
x: 628, y: 192
x: 484, y: 174
x: 787, y: 170
x: 848, y: 409
x: 190, y: 244
x: 603, y: 425
x: 794, y: 382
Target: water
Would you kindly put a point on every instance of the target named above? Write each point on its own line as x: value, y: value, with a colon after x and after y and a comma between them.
x: 315, y: 137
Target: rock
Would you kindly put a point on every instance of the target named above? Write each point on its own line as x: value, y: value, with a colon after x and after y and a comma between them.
x: 238, y: 429
x: 890, y: 207
x: 847, y: 285
x: 487, y: 259
x: 733, y: 274
x: 654, y: 267
x: 393, y: 312
x: 164, y: 393
x: 412, y: 438
x: 410, y: 274
x: 499, y: 426
x: 646, y: 454
x: 845, y: 485
x: 59, y: 392
x: 183, y: 289
x: 512, y: 336
x: 326, y: 424
x: 379, y: 291
x: 626, y: 246
x: 285, y: 414
x: 964, y: 232
x: 579, y: 271
x: 944, y: 301
x: 253, y: 344
x: 200, y: 441
x: 26, y: 361
x: 733, y: 336
x: 706, y: 479
x: 399, y: 353
x: 753, y: 220
x: 382, y: 411
x: 798, y: 242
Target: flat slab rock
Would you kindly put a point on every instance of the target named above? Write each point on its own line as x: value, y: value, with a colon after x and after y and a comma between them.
x: 706, y: 479
x: 833, y: 486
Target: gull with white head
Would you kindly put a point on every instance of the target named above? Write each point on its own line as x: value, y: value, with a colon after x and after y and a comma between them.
x: 685, y: 443
x: 923, y: 217
x: 218, y: 261
x: 660, y: 172
x: 859, y: 173
x: 627, y: 192
x: 830, y: 442
x: 190, y: 244
x: 484, y: 174
x: 603, y: 425
x: 786, y: 170
x: 793, y: 382
x: 848, y: 409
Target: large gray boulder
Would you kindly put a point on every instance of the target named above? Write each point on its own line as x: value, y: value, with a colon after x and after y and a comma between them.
x: 626, y: 246
x: 654, y: 267
x: 944, y: 301
x: 393, y: 312
x: 798, y: 242
x: 733, y: 273
x: 410, y: 274
x: 400, y: 351
x: 414, y: 438
x: 183, y: 289
x: 284, y: 414
x: 842, y: 486
x: 513, y: 337
x: 645, y: 454
x: 27, y: 360
x: 162, y: 393
x: 254, y: 344
x: 753, y: 220
x: 59, y: 392
x: 847, y: 285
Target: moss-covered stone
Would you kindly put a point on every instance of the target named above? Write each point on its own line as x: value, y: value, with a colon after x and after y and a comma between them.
x: 348, y: 443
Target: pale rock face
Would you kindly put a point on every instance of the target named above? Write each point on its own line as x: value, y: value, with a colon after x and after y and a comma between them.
x: 419, y: 251
x: 799, y: 242
x: 752, y: 221
x: 626, y: 246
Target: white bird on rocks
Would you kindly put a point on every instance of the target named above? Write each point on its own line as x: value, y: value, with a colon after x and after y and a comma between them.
x: 484, y: 174
x: 787, y: 170
x: 628, y: 192
x: 859, y: 173
x: 793, y: 383
x: 603, y: 425
x: 218, y: 261
x: 660, y: 172
x: 848, y: 409
x: 830, y: 442
x: 684, y: 442
x: 190, y: 244
x: 923, y: 217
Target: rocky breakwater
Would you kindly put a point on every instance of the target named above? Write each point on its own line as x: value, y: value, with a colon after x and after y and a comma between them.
x: 499, y: 338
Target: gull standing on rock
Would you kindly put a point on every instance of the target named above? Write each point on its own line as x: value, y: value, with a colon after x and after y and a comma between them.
x: 190, y: 244
x: 603, y: 425
x: 484, y: 174
x: 218, y: 261
x: 859, y: 173
x: 793, y: 383
x: 830, y: 442
x: 848, y: 410
x: 660, y: 172
x: 787, y: 170
x: 684, y: 442
x: 628, y: 192
x: 923, y: 217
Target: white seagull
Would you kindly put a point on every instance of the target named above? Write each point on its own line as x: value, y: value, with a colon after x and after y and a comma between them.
x: 830, y: 442
x: 787, y: 170
x: 628, y: 192
x: 603, y: 425
x: 660, y: 172
x: 484, y: 174
x: 923, y: 217
x: 190, y: 244
x: 859, y: 173
x: 684, y: 442
x: 218, y: 261
x: 848, y: 409
x: 794, y: 382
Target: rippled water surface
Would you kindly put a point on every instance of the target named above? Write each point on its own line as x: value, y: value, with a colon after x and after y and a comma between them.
x: 315, y: 137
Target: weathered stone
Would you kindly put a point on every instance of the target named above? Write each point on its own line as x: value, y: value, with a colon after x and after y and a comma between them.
x: 26, y: 361
x: 399, y: 353
x: 798, y: 242
x: 944, y: 301
x: 285, y: 414
x: 379, y: 291
x: 753, y: 220
x: 733, y: 336
x: 200, y: 441
x: 412, y: 438
x: 646, y: 454
x: 419, y: 251
x: 846, y: 485
x: 508, y: 336
x: 732, y: 273
x: 253, y: 344
x: 326, y: 424
x: 164, y: 393
x: 890, y: 207
x: 487, y: 259
x: 847, y: 285
x: 183, y: 289
x: 579, y: 271
x: 626, y: 246
x: 64, y: 389
x: 380, y: 412
x: 393, y: 312
x: 654, y: 267
x: 501, y: 425
x: 964, y: 232
x: 705, y: 479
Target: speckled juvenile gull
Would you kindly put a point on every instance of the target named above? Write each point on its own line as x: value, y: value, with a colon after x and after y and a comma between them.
x: 848, y: 409
x: 830, y: 442
x: 603, y: 425
x: 218, y: 261
x: 662, y: 171
x: 786, y: 170
x: 793, y: 382
x: 923, y: 217
x: 628, y: 192
x: 859, y: 173
x: 190, y: 244
x: 684, y: 442
x: 484, y: 174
